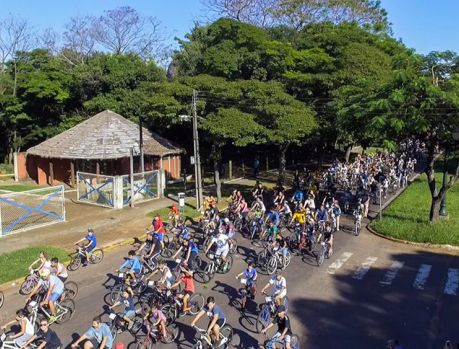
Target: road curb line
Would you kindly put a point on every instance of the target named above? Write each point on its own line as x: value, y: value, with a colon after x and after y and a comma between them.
x: 412, y: 243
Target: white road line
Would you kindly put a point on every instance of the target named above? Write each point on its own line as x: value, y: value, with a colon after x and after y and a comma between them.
x: 364, y: 268
x: 391, y: 273
x: 452, y: 283
x: 339, y: 262
x: 422, y: 276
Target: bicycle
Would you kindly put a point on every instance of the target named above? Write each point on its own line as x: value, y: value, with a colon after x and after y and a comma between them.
x: 323, y: 253
x: 267, y: 311
x: 275, y: 342
x: 357, y: 223
x: 154, y: 336
x: 2, y: 299
x: 65, y: 309
x: 244, y: 292
x: 203, y: 340
x: 4, y: 344
x: 78, y: 257
x: 29, y: 283
x: 119, y: 325
x: 138, y: 286
x: 215, y: 265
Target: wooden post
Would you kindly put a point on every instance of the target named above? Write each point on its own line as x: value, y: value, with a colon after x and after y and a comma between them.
x: 51, y: 173
x: 72, y: 173
x: 267, y: 163
x: 243, y: 169
x: 230, y: 169
x: 97, y: 167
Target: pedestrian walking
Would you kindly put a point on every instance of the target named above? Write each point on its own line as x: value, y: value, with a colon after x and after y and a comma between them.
x: 256, y: 167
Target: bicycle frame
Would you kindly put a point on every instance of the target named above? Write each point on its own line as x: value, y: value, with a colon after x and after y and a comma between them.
x: 60, y: 311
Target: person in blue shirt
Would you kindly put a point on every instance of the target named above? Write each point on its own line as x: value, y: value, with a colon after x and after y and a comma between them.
x: 133, y: 264
x: 129, y: 308
x: 217, y: 319
x: 321, y: 214
x: 273, y: 216
x: 90, y: 244
x: 97, y: 337
x: 297, y: 197
x: 192, y: 252
x: 250, y: 275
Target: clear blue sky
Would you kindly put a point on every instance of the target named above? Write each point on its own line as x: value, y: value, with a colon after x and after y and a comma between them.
x: 425, y: 25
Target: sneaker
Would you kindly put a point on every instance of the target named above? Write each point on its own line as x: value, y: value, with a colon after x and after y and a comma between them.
x: 52, y: 319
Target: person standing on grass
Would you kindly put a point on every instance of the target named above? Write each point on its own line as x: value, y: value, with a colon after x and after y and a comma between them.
x: 256, y: 167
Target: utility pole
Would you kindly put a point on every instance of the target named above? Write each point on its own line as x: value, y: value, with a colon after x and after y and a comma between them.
x: 142, y: 161
x: 131, y: 175
x: 197, y: 157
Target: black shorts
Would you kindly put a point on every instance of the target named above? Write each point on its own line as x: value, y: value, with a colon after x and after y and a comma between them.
x: 220, y: 323
x: 96, y: 344
x: 184, y: 292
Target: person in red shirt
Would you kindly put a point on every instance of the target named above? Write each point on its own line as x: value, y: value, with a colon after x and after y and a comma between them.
x: 174, y: 214
x: 157, y: 226
x: 188, y: 287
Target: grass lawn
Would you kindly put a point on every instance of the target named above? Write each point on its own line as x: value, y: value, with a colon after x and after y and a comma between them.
x: 190, y: 212
x: 407, y: 217
x: 18, y: 187
x: 15, y: 264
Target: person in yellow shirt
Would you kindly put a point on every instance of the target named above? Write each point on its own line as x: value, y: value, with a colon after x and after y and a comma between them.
x: 299, y: 215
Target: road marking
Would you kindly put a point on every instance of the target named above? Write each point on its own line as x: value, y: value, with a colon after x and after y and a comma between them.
x: 422, y: 276
x: 452, y: 283
x: 391, y: 273
x: 339, y: 262
x: 364, y: 268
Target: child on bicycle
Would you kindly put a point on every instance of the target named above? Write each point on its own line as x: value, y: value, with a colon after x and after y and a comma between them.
x: 90, y: 241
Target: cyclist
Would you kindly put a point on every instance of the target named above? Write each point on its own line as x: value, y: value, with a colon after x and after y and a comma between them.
x: 157, y: 226
x: 188, y: 289
x: 271, y: 232
x: 297, y: 197
x: 250, y: 275
x: 299, y: 215
x: 279, y: 244
x: 59, y: 269
x: 279, y: 285
x: 284, y: 331
x: 26, y: 328
x: 166, y: 275
x: 258, y: 206
x: 132, y: 263
x: 157, y: 318
x: 258, y: 191
x: 217, y: 317
x: 336, y: 211
x: 129, y: 308
x: 49, y: 338
x: 222, y: 243
x: 273, y: 216
x: 43, y: 262
x: 310, y: 201
x: 174, y: 214
x: 327, y: 237
x: 192, y: 252
x: 91, y: 243
x: 147, y: 245
x: 322, y: 216
x: 99, y: 336
x: 55, y: 289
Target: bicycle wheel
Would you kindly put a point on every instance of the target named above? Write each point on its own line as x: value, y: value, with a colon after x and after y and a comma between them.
x: 143, y: 342
x: 357, y: 228
x: 320, y: 257
x: 2, y: 299
x: 271, y: 265
x: 97, y: 256
x: 198, y: 345
x: 295, y: 342
x: 115, y: 293
x: 172, y: 332
x: 227, y: 332
x: 233, y: 246
x: 288, y: 259
x: 226, y: 267
x: 26, y: 287
x: 170, y: 312
x: 196, y: 303
x: 137, y: 325
x: 70, y: 289
x: 75, y: 263
x: 263, y: 318
x: 68, y: 307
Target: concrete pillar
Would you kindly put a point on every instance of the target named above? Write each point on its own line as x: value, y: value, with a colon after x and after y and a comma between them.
x: 72, y: 173
x: 16, y: 168
x: 118, y: 192
x: 51, y: 173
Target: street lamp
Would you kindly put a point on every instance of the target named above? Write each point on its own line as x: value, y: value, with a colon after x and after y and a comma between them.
x: 455, y: 136
x: 135, y: 150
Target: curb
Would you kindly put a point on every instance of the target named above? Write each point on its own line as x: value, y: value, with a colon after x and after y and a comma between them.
x: 412, y: 243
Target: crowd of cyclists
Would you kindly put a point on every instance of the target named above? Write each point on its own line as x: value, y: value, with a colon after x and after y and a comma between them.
x: 155, y: 284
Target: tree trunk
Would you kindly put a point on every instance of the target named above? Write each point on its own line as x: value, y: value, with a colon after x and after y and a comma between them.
x: 430, y: 172
x: 216, y: 158
x: 15, y: 84
x: 282, y: 161
x: 434, y: 209
x: 348, y: 153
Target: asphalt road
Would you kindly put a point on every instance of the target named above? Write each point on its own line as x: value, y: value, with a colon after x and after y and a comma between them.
x: 369, y: 291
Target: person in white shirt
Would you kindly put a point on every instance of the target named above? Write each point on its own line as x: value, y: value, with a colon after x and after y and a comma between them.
x: 221, y: 240
x: 26, y: 328
x: 279, y: 285
x: 58, y: 269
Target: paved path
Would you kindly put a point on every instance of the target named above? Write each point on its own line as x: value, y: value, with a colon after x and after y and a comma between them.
x: 370, y: 290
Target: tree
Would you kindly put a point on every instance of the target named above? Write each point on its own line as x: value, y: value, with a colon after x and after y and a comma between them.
x: 79, y: 39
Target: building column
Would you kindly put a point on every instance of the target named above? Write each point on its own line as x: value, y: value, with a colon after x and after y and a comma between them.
x: 51, y: 173
x: 72, y: 173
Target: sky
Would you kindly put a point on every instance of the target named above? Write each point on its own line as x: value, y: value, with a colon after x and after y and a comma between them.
x: 425, y: 25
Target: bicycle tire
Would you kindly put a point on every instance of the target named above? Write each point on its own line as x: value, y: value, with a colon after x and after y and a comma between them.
x: 115, y: 293
x: 97, y: 256
x: 26, y: 287
x: 263, y: 318
x: 75, y: 264
x: 227, y: 331
x: 143, y: 342
x: 198, y: 345
x: 196, y: 303
x: 320, y: 257
x: 2, y: 299
x: 233, y: 245
x: 172, y: 334
x: 69, y: 305
x: 271, y: 265
x: 225, y: 268
x: 70, y: 289
x: 294, y: 342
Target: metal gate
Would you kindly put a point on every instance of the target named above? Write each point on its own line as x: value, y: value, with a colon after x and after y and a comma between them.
x: 96, y: 189
x: 146, y: 187
x: 20, y: 211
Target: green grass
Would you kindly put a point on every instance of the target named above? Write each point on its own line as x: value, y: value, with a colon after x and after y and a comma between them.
x: 18, y: 187
x: 407, y: 217
x: 190, y: 212
x: 14, y: 264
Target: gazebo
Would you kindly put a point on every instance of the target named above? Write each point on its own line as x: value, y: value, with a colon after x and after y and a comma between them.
x: 102, y: 145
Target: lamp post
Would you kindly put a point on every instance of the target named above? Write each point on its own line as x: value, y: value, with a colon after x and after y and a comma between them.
x: 197, y: 158
x: 455, y: 136
x: 133, y: 151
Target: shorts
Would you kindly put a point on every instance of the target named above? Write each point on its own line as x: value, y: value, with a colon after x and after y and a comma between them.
x: 21, y: 340
x: 90, y: 248
x: 54, y: 297
x: 287, y: 337
x: 284, y: 251
x: 186, y: 292
x: 280, y: 294
x: 130, y: 314
x: 96, y: 344
x: 220, y: 323
x: 222, y: 252
x: 63, y: 279
x: 160, y: 236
